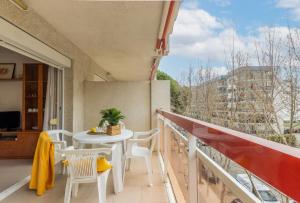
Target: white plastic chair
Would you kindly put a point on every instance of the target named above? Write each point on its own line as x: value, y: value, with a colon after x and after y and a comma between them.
x: 60, y: 143
x: 134, y: 150
x: 82, y: 168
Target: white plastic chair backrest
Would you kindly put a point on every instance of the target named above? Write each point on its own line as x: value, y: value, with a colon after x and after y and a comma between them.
x: 147, y: 137
x: 154, y: 134
x: 82, y: 163
x: 55, y: 134
x: 122, y: 124
x: 59, y: 135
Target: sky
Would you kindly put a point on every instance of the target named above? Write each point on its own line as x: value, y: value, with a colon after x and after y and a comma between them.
x: 204, y: 29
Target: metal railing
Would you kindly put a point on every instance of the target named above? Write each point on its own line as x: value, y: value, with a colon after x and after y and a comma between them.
x: 196, y: 177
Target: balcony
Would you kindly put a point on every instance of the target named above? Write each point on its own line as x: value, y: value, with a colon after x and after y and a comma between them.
x: 197, y: 162
x: 194, y: 161
x: 204, y: 163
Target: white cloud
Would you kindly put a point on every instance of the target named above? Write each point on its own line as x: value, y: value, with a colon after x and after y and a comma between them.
x: 218, y: 71
x: 194, y: 23
x: 288, y: 3
x: 214, y: 72
x: 292, y: 5
x: 197, y: 34
x: 280, y: 32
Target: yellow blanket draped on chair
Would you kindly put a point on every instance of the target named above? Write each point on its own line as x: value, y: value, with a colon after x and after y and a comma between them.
x: 43, y: 174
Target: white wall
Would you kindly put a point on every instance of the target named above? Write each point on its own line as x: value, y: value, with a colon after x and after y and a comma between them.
x: 7, y: 56
x: 11, y: 91
x: 132, y: 98
x: 160, y: 98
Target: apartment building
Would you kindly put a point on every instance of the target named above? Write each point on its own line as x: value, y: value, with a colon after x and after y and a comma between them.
x: 242, y: 100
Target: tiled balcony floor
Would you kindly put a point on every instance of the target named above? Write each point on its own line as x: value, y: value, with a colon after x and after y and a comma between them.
x: 136, y: 189
x: 12, y: 171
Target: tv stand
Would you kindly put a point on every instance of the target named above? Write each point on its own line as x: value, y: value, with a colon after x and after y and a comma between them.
x: 18, y: 144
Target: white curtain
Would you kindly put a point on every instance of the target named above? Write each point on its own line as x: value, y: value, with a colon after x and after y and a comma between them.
x: 53, y: 104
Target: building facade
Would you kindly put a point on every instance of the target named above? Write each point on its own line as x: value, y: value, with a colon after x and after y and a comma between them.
x: 245, y: 99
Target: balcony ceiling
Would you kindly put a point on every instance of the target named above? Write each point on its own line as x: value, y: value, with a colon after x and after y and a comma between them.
x: 119, y: 36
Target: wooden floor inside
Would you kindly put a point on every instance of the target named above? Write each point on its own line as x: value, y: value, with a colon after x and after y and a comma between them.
x: 136, y: 189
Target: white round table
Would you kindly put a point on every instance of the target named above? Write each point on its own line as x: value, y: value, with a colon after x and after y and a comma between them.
x: 83, y: 138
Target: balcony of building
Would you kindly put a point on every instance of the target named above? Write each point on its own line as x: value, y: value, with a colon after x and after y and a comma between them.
x: 205, y: 163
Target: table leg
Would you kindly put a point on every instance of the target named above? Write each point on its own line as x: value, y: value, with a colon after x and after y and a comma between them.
x: 124, y: 147
x: 117, y: 168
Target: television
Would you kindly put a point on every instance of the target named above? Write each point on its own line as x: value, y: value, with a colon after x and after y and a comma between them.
x: 10, y: 120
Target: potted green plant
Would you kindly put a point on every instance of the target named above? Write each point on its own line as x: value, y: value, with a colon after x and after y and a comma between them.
x: 112, y: 116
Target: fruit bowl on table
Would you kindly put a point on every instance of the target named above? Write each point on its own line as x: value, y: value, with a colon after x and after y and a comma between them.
x: 95, y: 131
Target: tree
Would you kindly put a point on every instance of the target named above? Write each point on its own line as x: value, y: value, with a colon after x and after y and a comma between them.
x: 269, y: 54
x: 179, y: 94
x: 291, y: 75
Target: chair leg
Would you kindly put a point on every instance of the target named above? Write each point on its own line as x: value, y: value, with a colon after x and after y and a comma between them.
x: 124, y: 146
x: 101, y: 183
x: 124, y: 169
x: 149, y: 169
x: 129, y: 164
x: 68, y: 191
x: 75, y: 189
x: 63, y: 168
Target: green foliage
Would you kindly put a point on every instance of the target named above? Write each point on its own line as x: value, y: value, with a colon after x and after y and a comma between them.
x: 179, y: 95
x: 112, y: 116
x: 290, y: 139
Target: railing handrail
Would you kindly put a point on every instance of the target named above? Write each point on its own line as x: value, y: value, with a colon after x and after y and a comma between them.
x: 275, y: 163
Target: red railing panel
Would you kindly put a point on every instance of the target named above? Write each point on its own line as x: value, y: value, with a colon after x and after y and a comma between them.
x: 276, y: 164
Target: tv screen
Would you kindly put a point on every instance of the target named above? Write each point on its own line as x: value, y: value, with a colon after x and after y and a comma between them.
x: 10, y: 120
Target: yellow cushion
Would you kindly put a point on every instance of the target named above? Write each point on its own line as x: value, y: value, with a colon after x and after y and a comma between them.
x: 102, y: 164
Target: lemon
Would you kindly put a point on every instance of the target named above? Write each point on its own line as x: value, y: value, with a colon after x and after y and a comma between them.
x: 93, y: 130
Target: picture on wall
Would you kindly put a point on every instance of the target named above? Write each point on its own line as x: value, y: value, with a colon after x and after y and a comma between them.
x: 7, y: 70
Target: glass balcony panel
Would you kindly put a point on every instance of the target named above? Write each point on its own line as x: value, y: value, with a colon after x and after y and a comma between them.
x: 177, y: 157
x: 161, y: 137
x: 211, y: 188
